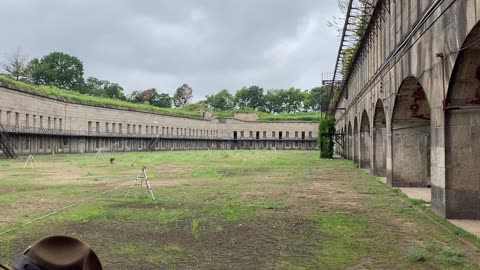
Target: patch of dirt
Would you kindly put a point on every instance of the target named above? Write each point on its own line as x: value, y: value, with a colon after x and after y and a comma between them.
x: 237, y: 245
x: 329, y: 192
x: 363, y: 264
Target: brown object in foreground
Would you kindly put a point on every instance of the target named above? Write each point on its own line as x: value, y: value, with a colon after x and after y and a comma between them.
x: 59, y: 252
x: 112, y: 159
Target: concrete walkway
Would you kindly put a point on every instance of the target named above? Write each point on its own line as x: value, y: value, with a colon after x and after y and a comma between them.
x: 418, y: 193
x: 471, y: 226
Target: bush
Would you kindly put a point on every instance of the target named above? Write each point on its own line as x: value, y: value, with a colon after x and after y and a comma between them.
x: 325, y: 140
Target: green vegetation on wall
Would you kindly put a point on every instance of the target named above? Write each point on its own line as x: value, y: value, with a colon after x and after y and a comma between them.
x: 325, y: 140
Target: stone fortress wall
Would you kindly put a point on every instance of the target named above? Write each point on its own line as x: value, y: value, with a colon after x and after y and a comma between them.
x: 38, y: 123
x: 410, y: 106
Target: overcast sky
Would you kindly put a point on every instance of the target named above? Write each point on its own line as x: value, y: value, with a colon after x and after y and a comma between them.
x: 209, y: 44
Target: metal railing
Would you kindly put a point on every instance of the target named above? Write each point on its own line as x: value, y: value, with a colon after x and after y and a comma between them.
x: 7, y: 145
x: 85, y: 133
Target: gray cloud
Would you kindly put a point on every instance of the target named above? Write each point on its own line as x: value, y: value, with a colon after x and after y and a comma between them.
x: 210, y: 44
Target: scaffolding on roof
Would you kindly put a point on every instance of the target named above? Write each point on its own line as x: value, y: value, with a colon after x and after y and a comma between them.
x: 361, y: 25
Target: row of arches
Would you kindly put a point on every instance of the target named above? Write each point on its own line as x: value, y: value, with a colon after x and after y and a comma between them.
x: 443, y: 153
x: 363, y: 142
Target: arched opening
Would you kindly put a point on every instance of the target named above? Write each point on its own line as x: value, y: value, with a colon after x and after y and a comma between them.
x: 345, y: 142
x: 411, y: 136
x: 356, y: 142
x: 365, y: 141
x: 342, y: 152
x: 350, y: 142
x: 462, y: 134
x: 379, y: 140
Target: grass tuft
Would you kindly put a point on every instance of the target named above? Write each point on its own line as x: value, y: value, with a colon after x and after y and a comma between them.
x: 194, y: 228
x: 451, y: 255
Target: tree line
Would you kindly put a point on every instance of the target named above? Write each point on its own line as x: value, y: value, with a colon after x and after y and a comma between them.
x: 272, y: 101
x: 64, y: 71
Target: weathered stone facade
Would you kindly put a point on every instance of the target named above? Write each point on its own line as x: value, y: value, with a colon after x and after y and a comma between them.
x: 43, y: 124
x: 415, y: 97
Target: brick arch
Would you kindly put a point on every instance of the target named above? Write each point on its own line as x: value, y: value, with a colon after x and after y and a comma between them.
x: 345, y: 141
x: 349, y: 141
x: 379, y: 140
x: 411, y: 135
x: 356, y: 142
x: 365, y: 139
x: 462, y: 136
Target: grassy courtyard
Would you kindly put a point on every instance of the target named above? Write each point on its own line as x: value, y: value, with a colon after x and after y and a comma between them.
x: 227, y: 210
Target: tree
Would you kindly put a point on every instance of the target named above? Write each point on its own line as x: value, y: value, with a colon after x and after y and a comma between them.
x: 152, y: 97
x: 183, y: 95
x: 317, y: 98
x: 223, y: 100
x: 272, y: 103
x: 114, y: 90
x: 164, y: 100
x: 251, y: 97
x: 15, y: 63
x: 284, y: 100
x: 102, y: 88
x: 292, y: 100
x: 57, y: 69
x: 325, y: 140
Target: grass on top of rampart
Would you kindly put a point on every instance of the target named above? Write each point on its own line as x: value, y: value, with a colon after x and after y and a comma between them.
x: 188, y: 111
x: 75, y: 96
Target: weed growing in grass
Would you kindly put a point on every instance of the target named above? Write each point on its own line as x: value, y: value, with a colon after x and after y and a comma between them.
x: 418, y: 202
x: 459, y: 232
x: 417, y: 254
x: 194, y: 228
x: 451, y: 255
x: 397, y: 192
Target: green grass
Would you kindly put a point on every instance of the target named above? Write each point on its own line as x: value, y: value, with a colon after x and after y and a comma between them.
x: 229, y: 209
x: 187, y: 111
x: 301, y: 116
x: 262, y: 116
x: 75, y: 96
x: 194, y: 228
x: 451, y: 255
x: 344, y: 231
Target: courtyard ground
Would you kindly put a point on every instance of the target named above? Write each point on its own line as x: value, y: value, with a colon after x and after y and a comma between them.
x: 227, y: 210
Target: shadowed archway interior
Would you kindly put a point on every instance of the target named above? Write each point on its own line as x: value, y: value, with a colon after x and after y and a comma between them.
x: 356, y: 142
x: 365, y: 139
x: 411, y: 136
x: 379, y: 140
x: 350, y: 142
x: 462, y: 134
